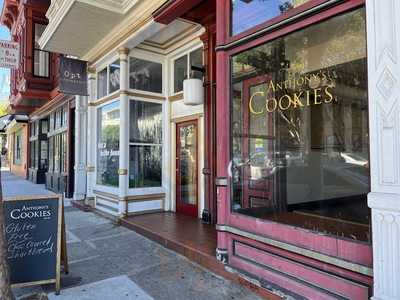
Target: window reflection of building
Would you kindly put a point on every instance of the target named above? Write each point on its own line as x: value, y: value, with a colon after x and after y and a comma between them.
x: 108, y: 145
x: 304, y: 163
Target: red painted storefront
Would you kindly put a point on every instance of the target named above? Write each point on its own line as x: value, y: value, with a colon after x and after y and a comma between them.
x: 306, y: 262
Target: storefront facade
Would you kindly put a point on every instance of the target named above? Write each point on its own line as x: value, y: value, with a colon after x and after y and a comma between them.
x: 294, y: 181
x: 303, y: 132
x: 150, y: 145
x: 51, y: 145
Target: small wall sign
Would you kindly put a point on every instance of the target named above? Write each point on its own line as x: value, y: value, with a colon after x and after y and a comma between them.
x: 9, y: 54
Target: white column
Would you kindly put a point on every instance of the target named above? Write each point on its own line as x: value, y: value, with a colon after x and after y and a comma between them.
x: 383, y: 27
x: 80, y: 147
x: 91, y: 138
x: 123, y: 131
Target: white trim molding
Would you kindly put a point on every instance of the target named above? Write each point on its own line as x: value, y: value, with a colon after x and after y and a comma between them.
x: 383, y: 27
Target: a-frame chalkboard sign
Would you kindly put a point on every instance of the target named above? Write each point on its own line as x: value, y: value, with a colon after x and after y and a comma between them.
x: 34, y: 233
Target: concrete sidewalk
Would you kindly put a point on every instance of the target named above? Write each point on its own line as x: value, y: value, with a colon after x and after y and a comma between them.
x: 14, y: 186
x: 108, y: 261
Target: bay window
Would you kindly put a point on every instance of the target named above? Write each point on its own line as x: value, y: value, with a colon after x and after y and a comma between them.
x: 102, y: 83
x: 145, y: 75
x: 299, y: 128
x: 182, y: 68
x: 113, y: 82
x: 108, y: 122
x: 108, y: 79
x: 41, y: 58
x: 180, y: 73
x: 145, y: 144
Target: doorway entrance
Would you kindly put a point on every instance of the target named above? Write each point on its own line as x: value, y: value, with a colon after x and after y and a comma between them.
x: 187, y: 168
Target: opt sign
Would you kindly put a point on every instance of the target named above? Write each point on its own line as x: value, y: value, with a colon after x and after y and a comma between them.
x: 9, y: 54
x: 73, y: 76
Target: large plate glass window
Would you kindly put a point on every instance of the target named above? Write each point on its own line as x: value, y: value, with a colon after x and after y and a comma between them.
x: 299, y: 122
x: 41, y: 59
x: 145, y: 144
x: 145, y: 75
x: 108, y: 144
x: 246, y: 14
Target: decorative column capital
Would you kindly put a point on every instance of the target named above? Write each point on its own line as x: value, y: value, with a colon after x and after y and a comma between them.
x: 123, y: 53
x: 91, y: 70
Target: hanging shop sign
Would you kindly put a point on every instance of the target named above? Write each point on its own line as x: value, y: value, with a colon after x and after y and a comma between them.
x: 73, y: 76
x: 9, y: 54
x: 312, y: 89
x: 36, y: 243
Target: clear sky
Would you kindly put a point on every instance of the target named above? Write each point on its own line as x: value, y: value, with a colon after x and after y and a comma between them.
x: 4, y: 73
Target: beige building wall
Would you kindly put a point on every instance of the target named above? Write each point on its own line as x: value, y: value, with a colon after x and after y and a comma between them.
x: 18, y: 168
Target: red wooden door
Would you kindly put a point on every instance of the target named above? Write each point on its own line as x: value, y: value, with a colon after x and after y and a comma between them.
x: 258, y: 142
x: 187, y: 168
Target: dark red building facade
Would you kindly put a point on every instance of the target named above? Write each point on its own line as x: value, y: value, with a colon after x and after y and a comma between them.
x: 288, y: 161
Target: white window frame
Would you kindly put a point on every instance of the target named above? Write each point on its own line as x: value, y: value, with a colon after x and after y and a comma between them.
x: 100, y: 68
x: 100, y: 187
x: 156, y: 58
x: 192, y: 47
x: 149, y: 190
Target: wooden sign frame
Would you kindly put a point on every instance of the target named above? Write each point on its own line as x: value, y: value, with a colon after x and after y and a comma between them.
x: 60, y: 232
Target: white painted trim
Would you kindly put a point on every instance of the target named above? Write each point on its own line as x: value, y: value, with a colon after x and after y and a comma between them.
x: 383, y: 27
